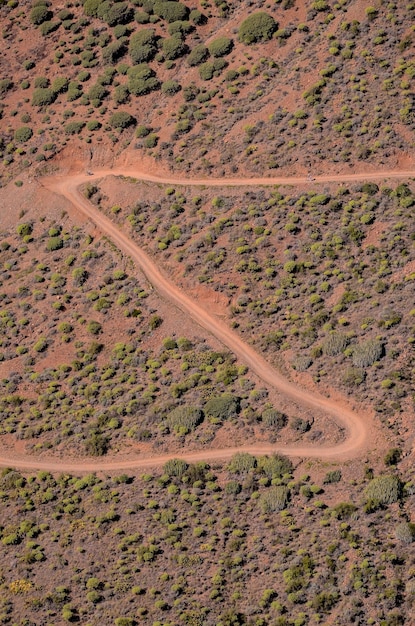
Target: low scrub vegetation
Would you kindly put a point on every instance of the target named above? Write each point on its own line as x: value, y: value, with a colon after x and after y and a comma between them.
x: 204, y: 531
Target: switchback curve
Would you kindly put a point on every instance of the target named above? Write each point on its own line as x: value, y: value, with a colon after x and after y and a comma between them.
x: 357, y: 440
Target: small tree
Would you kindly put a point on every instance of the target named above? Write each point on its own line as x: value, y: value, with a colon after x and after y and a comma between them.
x: 143, y: 45
x: 171, y: 11
x: 198, y: 55
x: 220, y: 47
x: 91, y: 7
x: 257, y: 27
x: 173, y: 48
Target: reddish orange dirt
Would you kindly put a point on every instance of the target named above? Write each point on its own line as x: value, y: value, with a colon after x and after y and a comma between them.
x: 359, y: 429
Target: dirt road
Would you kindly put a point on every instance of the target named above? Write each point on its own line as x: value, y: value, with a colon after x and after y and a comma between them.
x: 357, y: 432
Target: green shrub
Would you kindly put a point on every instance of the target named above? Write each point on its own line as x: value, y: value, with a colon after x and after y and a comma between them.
x: 48, y: 27
x: 367, y: 353
x: 54, y: 243
x: 197, y: 17
x: 93, y: 125
x: 257, y: 27
x: 143, y: 46
x: 94, y: 327
x: 80, y: 276
x: 42, y: 81
x: 370, y: 188
x: 384, y: 489
x: 173, y: 48
x: 83, y: 76
x: 113, y: 52
x: 343, y: 510
x: 60, y: 84
x: 275, y: 465
x: 24, y: 230
x: 222, y: 407
x: 274, y: 419
x: 74, y: 128
x: 210, y: 69
x: 142, y: 131
x: 175, y: 467
x: 180, y: 28
x: 335, y: 344
x: 125, y: 621
x: 393, y: 456
x: 5, y: 85
x: 184, y: 419
x: 41, y: 345
x: 65, y: 327
x: 97, y: 444
x: 151, y: 140
x: 198, y: 55
x: 97, y: 93
x: 40, y: 14
x: 405, y: 532
x: 354, y: 376
x: 171, y: 11
x: 91, y: 7
x: 333, y: 476
x: 170, y: 87
x: 324, y: 601
x: 241, y: 463
x: 371, y: 13
x: 122, y: 119
x: 182, y: 127
x: 23, y: 134
x: 43, y: 96
x: 65, y: 14
x: 220, y: 47
x: 274, y: 499
x: 118, y: 13
x: 102, y: 304
x: 232, y: 488
x: 121, y: 94
x: 141, y: 17
x: 142, y: 80
x: 155, y: 322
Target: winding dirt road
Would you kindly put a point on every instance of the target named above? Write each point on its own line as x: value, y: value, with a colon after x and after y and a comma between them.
x: 357, y: 431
